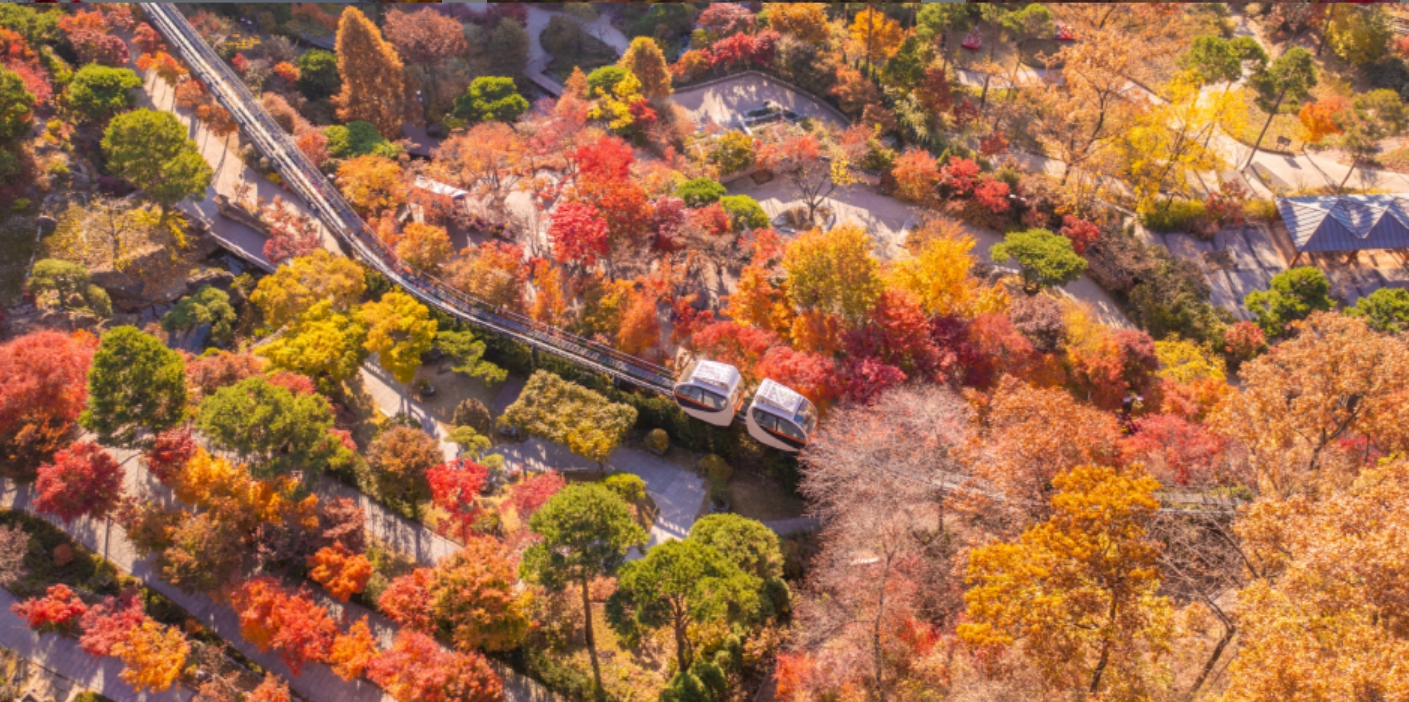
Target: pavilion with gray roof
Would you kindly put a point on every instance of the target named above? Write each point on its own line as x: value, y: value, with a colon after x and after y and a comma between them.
x: 1345, y: 223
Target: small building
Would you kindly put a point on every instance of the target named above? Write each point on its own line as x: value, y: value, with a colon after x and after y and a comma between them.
x: 1346, y: 223
x: 436, y: 187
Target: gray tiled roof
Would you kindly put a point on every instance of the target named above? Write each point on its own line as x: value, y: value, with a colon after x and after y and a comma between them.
x: 1347, y: 222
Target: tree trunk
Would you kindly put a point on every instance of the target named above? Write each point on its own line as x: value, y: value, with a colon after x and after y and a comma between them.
x: 1105, y: 652
x: 682, y: 644
x: 1353, y: 163
x: 591, y: 640
x: 1265, y: 127
x: 1325, y: 31
x: 1228, y: 631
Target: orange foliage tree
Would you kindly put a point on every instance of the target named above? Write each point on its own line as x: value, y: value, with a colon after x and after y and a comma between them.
x: 417, y: 670
x: 474, y: 600
x: 353, y: 651
x: 372, y: 85
x: 424, y: 246
x: 342, y: 572
x: 153, y: 656
x: 58, y: 610
x: 1080, y: 590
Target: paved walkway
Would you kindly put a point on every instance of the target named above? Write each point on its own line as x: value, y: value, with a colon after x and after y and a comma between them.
x: 723, y: 101
x: 62, y: 656
x: 230, y: 173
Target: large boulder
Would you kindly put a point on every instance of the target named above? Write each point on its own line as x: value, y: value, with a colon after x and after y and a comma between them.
x: 125, y: 290
x: 214, y: 277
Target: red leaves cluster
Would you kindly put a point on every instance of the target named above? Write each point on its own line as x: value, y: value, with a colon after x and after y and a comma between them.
x: 58, y: 610
x: 813, y: 375
x: 1244, y: 341
x: 407, y: 600
x: 206, y: 374
x: 35, y: 79
x: 604, y: 181
x: 579, y: 234
x: 534, y: 492
x: 43, y: 388
x: 147, y: 40
x: 993, y: 194
x: 960, y: 176
x: 82, y: 480
x: 1108, y: 370
x: 99, y: 47
x: 415, y: 669
x: 1176, y: 451
x: 724, y: 19
x: 169, y: 453
x: 736, y: 344
x: 296, y: 383
x: 1081, y: 232
x: 110, y: 622
x: 455, y: 487
x: 993, y: 144
x: 290, y: 623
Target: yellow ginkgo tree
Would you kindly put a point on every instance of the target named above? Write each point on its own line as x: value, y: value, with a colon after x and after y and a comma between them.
x: 1168, y: 145
x: 1078, y: 593
x: 399, y: 330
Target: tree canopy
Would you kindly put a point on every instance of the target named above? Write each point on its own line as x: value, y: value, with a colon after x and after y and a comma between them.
x: 136, y: 387
x: 565, y: 412
x: 150, y: 150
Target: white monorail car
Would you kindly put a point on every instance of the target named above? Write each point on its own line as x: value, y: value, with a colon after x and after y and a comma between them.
x: 780, y: 417
x: 711, y: 392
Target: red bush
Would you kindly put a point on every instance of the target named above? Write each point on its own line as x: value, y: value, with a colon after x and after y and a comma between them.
x: 58, y: 610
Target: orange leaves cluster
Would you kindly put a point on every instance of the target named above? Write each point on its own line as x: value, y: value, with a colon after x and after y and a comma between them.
x: 1079, y: 591
x: 342, y: 572
x: 1334, y: 570
x: 352, y: 652
x: 153, y: 656
x: 1337, y: 379
x: 288, y: 622
x: 167, y: 67
x: 417, y: 670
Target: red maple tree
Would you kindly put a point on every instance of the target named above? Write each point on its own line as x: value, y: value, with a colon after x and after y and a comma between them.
x: 43, y: 388
x: 110, y: 621
x: 455, y: 485
x: 528, y: 496
x: 579, y: 234
x: 1081, y: 232
x: 407, y: 600
x: 813, y: 375
x: 82, y: 480
x: 736, y: 344
x: 169, y: 452
x: 415, y: 669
